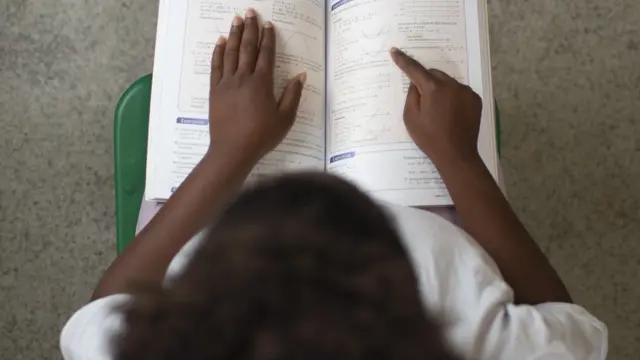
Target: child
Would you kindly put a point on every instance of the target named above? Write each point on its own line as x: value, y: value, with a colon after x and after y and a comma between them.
x: 307, y: 267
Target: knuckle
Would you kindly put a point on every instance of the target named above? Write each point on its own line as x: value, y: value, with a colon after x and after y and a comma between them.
x: 268, y: 47
x: 472, y: 94
x: 473, y: 99
x: 232, y: 50
x: 247, y: 49
x: 436, y: 87
x: 248, y: 45
x: 478, y: 102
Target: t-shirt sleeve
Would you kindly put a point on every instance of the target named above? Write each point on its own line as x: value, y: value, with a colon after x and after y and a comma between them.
x: 547, y: 331
x: 463, y: 289
x: 87, y: 335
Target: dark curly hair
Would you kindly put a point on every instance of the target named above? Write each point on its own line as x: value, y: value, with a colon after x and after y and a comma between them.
x: 299, y: 267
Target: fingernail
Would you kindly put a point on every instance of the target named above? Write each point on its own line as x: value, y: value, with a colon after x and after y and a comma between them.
x: 221, y: 40
x: 250, y: 13
x: 302, y: 78
x: 237, y: 21
x: 268, y: 24
x: 394, y: 49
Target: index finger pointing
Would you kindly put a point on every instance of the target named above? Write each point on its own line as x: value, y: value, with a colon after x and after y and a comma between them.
x: 414, y: 70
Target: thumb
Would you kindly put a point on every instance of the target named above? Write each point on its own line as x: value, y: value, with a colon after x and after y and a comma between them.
x: 290, y: 100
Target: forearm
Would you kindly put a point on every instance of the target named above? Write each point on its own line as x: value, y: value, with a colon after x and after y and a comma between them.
x: 187, y: 212
x: 487, y: 216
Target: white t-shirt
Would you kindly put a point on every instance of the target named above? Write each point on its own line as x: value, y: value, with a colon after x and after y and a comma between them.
x: 459, y: 284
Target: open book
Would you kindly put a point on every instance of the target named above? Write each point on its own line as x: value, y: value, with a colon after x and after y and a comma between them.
x: 350, y: 117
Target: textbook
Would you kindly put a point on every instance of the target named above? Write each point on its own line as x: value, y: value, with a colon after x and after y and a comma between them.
x: 350, y: 117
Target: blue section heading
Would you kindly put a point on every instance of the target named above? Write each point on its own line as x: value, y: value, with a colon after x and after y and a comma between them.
x: 191, y: 121
x: 345, y: 156
x: 340, y: 3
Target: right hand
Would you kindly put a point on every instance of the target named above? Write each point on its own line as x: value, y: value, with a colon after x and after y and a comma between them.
x: 441, y: 115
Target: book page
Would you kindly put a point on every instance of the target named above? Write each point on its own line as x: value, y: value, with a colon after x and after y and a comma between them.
x: 179, y: 134
x: 367, y: 140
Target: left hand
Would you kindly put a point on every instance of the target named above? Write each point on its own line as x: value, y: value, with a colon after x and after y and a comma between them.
x: 246, y: 120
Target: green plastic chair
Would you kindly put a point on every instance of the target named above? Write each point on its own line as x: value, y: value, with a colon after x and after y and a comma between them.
x: 130, y: 140
x: 130, y: 151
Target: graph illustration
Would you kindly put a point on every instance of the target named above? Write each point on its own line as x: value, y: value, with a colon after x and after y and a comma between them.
x: 374, y: 34
x: 292, y: 36
x: 374, y: 52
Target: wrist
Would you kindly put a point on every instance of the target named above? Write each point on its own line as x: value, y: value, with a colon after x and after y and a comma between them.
x: 447, y: 159
x: 230, y: 166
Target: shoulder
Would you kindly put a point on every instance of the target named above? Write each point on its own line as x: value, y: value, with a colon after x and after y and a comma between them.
x: 436, y: 246
x: 461, y: 285
x: 87, y: 335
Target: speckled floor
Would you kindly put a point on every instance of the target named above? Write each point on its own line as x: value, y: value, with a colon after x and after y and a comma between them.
x: 566, y: 73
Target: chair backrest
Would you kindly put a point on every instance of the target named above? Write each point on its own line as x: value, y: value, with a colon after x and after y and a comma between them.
x: 130, y: 157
